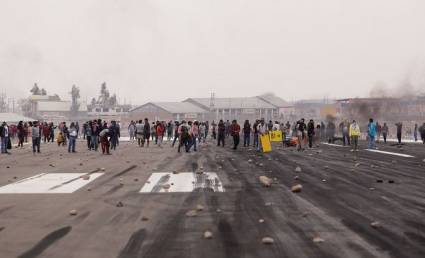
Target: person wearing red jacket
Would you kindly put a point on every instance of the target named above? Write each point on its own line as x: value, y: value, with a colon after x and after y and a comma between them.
x: 235, y: 130
x: 160, y: 131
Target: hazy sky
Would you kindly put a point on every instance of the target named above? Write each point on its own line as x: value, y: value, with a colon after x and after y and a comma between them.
x: 170, y: 50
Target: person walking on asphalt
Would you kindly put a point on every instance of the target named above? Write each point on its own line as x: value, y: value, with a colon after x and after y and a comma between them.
x: 371, y: 132
x: 184, y: 136
x: 221, y: 133
x: 310, y: 133
x: 385, y: 132
x: 246, y: 133
x: 399, y: 126
x: 235, y: 130
x: 72, y: 137
x: 354, y: 135
x: 36, y: 137
x: 132, y: 130
x: 330, y: 131
x: 176, y: 132
x: 104, y: 141
x: 345, y: 133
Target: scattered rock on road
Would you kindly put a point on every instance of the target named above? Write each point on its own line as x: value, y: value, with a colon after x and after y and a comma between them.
x: 260, y: 221
x: 265, y: 181
x: 73, y: 212
x: 267, y: 240
x: 375, y: 224
x: 208, y: 234
x: 199, y: 207
x: 145, y: 218
x: 191, y: 213
x: 120, y: 204
x: 318, y: 240
x: 166, y: 186
x: 297, y: 188
x: 298, y: 169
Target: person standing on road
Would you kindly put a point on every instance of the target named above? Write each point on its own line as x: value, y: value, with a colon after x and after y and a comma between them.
x: 345, y: 133
x: 415, y: 133
x: 255, y: 134
x: 95, y: 135
x: 73, y: 134
x: 262, y: 130
x: 235, y: 130
x: 87, y: 134
x: 354, y: 134
x: 170, y: 131
x: 147, y: 132
x: 221, y: 133
x: 385, y: 132
x: 399, y: 126
x: 422, y: 131
x: 371, y: 133
x: 310, y: 133
x: 214, y: 130
x: 4, y: 133
x: 132, y: 130
x: 160, y: 131
x: 36, y: 137
x: 300, y: 133
x: 330, y: 131
x: 139, y: 132
x: 21, y: 134
x: 246, y: 133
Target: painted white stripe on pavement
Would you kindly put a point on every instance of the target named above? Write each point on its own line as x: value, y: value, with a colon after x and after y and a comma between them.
x: 336, y: 145
x: 392, y: 153
x: 182, y: 182
x: 49, y: 183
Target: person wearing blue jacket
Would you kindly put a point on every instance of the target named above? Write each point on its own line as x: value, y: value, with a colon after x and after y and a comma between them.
x: 371, y: 131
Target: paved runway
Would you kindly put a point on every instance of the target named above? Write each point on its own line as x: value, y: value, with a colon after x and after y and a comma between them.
x: 352, y: 204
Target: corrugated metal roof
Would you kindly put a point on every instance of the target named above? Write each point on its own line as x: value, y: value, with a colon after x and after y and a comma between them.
x: 175, y: 107
x: 275, y: 100
x: 57, y: 106
x: 14, y: 118
x: 233, y: 103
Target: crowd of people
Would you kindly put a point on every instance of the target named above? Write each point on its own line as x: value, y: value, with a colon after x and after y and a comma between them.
x: 189, y: 135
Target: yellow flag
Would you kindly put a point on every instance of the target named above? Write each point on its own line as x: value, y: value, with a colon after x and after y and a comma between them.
x: 265, y: 143
x: 276, y: 136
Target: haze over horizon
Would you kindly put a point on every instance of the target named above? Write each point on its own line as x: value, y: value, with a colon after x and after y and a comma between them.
x: 171, y: 50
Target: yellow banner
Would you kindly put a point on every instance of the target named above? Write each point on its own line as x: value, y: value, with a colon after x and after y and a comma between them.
x: 276, y: 136
x: 265, y: 143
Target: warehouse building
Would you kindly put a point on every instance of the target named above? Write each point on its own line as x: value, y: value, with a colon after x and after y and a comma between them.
x: 236, y: 108
x: 167, y: 111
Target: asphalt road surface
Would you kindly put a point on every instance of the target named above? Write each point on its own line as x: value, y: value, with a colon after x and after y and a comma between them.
x: 363, y: 204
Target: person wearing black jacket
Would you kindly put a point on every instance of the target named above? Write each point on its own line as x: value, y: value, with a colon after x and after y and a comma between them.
x: 246, y: 133
x: 221, y: 133
x: 300, y: 128
x: 310, y: 133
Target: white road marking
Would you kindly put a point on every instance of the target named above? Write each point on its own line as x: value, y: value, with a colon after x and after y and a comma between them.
x: 49, y: 183
x: 336, y: 145
x: 182, y: 182
x: 392, y: 153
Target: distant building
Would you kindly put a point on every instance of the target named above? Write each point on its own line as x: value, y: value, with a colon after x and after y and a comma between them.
x: 166, y: 111
x: 236, y: 108
x: 13, y: 118
x: 286, y: 110
x: 116, y: 112
x: 58, y: 111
